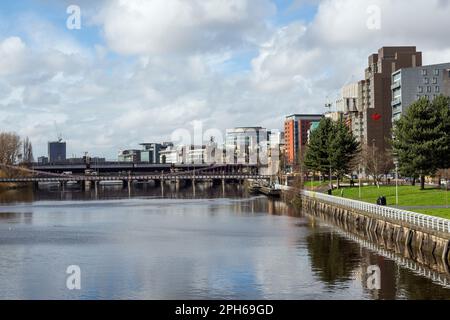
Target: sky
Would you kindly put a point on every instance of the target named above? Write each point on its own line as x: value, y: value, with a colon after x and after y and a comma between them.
x: 141, y: 70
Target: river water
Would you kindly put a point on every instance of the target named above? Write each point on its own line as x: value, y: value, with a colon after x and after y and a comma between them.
x: 210, y: 245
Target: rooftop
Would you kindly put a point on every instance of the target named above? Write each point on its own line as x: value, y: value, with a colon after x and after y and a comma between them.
x: 305, y: 116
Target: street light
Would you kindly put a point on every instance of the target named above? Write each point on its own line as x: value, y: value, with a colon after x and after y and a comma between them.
x: 359, y: 180
x: 331, y: 181
x: 396, y: 181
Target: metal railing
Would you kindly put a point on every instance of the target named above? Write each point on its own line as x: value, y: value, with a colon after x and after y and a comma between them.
x: 413, y: 218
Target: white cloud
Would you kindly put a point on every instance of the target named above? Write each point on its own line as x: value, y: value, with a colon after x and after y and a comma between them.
x: 178, y: 26
x: 169, y: 67
x: 12, y: 54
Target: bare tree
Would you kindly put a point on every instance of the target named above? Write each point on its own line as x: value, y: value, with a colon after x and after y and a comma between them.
x: 377, y: 163
x: 9, y: 151
x: 27, y: 156
x: 9, y: 148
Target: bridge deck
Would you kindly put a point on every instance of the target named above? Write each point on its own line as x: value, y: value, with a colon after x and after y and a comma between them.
x: 199, y: 177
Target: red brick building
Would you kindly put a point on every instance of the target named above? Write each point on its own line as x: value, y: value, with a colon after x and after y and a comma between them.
x: 296, y: 129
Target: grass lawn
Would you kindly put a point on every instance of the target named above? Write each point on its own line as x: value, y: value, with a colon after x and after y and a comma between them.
x: 316, y: 183
x: 409, y: 196
x: 442, y: 213
x: 324, y: 183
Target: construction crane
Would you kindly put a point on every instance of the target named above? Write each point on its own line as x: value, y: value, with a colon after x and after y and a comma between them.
x: 58, y: 134
x: 328, y: 104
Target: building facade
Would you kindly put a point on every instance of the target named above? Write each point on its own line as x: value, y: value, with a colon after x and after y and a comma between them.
x: 151, y: 152
x: 132, y: 155
x: 348, y: 105
x: 57, y: 151
x: 170, y: 154
x: 314, y: 126
x: 296, y: 129
x: 43, y: 160
x: 243, y: 144
x: 374, y: 93
x: 411, y: 84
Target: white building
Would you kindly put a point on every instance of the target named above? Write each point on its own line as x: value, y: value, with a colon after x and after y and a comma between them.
x: 348, y: 105
x: 171, y: 155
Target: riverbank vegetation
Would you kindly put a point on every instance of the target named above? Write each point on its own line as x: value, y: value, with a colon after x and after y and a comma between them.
x: 14, y: 153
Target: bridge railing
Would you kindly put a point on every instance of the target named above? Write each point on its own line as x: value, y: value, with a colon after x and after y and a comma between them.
x: 413, y: 218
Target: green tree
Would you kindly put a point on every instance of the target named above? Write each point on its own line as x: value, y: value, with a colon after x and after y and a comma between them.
x: 317, y: 155
x: 332, y: 149
x: 342, y: 150
x: 421, y: 138
x: 441, y: 106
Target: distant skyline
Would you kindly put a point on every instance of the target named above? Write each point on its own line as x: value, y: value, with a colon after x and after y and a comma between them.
x: 138, y: 70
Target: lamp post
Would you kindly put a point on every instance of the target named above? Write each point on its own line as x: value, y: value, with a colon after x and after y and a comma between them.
x: 359, y: 180
x: 446, y: 192
x: 396, y: 181
x: 331, y: 181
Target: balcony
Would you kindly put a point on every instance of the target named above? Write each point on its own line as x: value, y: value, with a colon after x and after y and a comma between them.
x: 396, y: 102
x: 396, y: 85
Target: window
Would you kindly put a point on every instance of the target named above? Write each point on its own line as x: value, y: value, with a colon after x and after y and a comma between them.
x: 437, y: 89
x: 424, y: 72
x: 426, y: 80
x: 418, y: 97
x: 436, y: 72
x: 420, y: 89
x: 428, y: 89
x: 434, y: 80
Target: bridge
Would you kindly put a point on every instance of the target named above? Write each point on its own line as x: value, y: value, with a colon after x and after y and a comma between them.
x: 141, y: 178
x: 170, y: 173
x: 135, y: 168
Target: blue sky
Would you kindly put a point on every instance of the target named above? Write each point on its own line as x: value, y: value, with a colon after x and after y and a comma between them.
x: 54, y: 12
x: 142, y: 71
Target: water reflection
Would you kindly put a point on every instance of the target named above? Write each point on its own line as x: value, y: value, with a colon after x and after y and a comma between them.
x: 209, y: 245
x: 333, y: 258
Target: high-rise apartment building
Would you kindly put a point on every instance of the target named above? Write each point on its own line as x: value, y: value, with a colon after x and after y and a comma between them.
x: 296, y: 129
x: 410, y: 84
x: 374, y: 93
x: 57, y: 151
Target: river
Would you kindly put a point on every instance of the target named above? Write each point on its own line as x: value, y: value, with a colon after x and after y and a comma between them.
x: 210, y: 245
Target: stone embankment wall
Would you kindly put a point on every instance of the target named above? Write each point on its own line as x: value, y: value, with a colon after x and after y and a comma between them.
x: 430, y: 248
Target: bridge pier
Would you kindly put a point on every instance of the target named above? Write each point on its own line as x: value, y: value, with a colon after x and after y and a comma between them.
x: 162, y: 185
x: 129, y: 188
x: 177, y: 184
x: 223, y: 186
